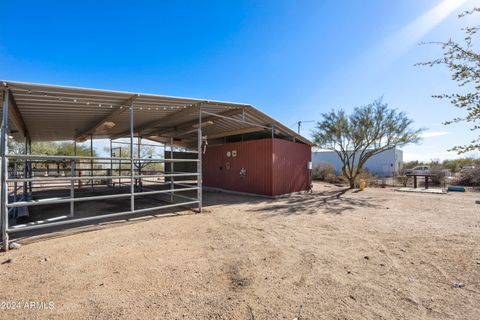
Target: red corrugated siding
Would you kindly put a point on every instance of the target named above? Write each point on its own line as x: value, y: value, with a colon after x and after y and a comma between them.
x: 273, y: 167
x: 254, y: 155
x: 290, y: 167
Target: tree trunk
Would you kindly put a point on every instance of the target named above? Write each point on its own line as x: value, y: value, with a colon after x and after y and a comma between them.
x: 350, y: 177
x: 352, y: 182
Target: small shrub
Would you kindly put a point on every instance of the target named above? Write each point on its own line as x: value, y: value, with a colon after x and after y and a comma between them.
x: 402, y: 180
x: 440, y: 173
x: 365, y: 175
x: 470, y: 178
x: 332, y: 178
x: 323, y: 172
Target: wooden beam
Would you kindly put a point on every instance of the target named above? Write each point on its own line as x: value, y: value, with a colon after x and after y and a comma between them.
x: 15, y: 117
x: 189, y: 125
x: 85, y: 133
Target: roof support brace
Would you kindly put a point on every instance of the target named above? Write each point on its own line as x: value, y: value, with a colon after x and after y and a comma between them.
x: 238, y: 120
x: 192, y: 124
x: 168, y: 119
x: 15, y: 117
x: 235, y: 132
x: 85, y: 133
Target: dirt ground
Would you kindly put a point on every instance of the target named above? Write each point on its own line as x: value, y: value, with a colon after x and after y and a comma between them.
x: 376, y: 254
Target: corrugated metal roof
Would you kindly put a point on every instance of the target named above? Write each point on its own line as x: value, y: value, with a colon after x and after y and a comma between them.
x: 53, y: 113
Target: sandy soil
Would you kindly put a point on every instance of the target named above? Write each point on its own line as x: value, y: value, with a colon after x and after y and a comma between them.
x: 376, y: 254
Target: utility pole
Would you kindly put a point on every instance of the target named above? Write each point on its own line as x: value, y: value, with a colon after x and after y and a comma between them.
x: 299, y: 123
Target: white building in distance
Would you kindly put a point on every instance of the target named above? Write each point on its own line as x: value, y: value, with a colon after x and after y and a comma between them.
x: 383, y: 164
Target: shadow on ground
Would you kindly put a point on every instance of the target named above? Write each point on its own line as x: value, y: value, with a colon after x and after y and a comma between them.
x: 103, y: 207
x: 329, y: 202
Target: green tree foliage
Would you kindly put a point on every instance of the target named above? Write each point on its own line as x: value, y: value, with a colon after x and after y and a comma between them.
x: 464, y: 64
x: 60, y: 149
x: 368, y: 131
x: 453, y: 165
x: 146, y: 152
x: 457, y: 164
x: 15, y: 147
x: 64, y: 148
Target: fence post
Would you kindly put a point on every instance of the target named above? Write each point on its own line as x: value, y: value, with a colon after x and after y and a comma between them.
x: 132, y: 169
x: 171, y: 169
x: 4, y: 173
x: 199, y: 163
x: 72, y: 187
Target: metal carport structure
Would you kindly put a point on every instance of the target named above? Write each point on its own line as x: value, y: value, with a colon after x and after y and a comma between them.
x: 40, y: 112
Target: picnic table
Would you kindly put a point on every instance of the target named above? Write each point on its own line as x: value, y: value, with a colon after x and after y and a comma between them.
x: 415, y: 175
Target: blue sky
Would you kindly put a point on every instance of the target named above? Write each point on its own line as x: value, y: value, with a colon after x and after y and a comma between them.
x: 292, y: 59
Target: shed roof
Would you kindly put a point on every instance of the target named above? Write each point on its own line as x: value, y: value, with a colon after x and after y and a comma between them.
x: 53, y: 113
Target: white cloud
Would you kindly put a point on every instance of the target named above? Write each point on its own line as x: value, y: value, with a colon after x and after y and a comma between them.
x: 427, y: 157
x: 431, y: 134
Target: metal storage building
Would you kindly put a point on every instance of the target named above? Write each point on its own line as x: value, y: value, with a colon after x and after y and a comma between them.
x: 196, y: 135
x: 268, y: 167
x: 383, y: 164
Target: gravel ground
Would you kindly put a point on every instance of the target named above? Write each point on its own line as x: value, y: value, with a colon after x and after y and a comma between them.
x: 376, y: 254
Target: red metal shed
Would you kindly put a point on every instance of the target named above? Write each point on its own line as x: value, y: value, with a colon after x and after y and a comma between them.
x: 268, y: 167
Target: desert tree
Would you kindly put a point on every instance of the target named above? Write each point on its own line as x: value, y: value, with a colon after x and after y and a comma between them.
x: 463, y: 61
x: 144, y: 152
x: 367, y: 131
x: 51, y: 148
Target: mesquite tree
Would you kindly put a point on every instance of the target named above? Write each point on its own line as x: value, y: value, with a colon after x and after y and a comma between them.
x: 463, y: 61
x: 368, y: 131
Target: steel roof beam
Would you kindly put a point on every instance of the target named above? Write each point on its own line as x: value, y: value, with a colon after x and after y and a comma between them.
x: 15, y: 116
x: 235, y: 132
x: 189, y: 125
x: 85, y: 133
x: 185, y: 142
x: 167, y: 119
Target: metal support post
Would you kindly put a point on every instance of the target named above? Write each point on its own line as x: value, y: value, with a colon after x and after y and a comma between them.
x: 91, y: 160
x: 72, y: 187
x: 75, y: 154
x: 139, y: 163
x: 4, y: 173
x: 132, y: 173
x: 111, y: 154
x: 171, y: 169
x: 120, y: 168
x: 30, y: 172
x: 24, y: 169
x: 111, y: 164
x: 199, y: 163
x: 15, y: 184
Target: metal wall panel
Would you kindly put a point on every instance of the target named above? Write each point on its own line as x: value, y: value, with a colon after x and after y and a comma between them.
x: 247, y: 169
x: 267, y: 167
x: 383, y: 164
x: 290, y: 167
